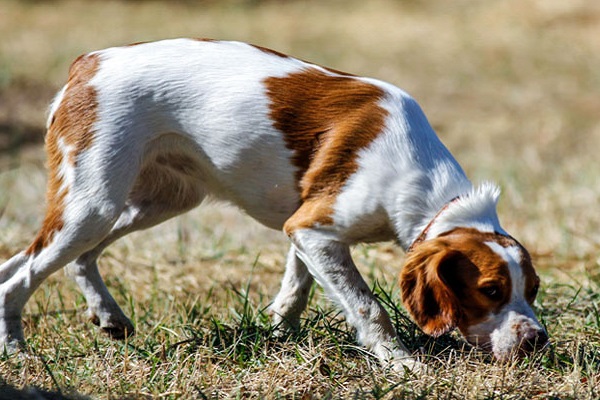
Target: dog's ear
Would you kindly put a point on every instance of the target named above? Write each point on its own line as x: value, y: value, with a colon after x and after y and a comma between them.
x: 425, y: 292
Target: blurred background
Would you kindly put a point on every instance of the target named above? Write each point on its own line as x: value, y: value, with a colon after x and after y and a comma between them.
x: 511, y: 86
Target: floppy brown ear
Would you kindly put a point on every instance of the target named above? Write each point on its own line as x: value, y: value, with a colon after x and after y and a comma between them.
x: 428, y: 299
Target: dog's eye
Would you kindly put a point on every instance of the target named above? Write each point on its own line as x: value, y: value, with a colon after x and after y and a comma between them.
x: 533, y: 292
x: 492, y: 292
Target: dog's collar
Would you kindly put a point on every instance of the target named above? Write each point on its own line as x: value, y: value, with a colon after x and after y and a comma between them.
x: 421, y: 238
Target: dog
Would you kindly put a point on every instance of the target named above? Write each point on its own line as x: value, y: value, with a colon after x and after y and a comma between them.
x: 142, y: 133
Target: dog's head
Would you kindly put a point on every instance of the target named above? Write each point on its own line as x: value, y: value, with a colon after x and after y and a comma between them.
x: 482, y: 283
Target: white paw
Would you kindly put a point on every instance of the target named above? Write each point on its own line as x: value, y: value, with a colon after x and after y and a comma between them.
x: 283, y: 325
x: 397, y: 358
x: 10, y: 346
x: 117, y: 326
x: 408, y: 364
x: 11, y: 335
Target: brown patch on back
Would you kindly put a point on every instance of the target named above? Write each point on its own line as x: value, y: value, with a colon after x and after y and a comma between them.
x: 270, y: 51
x: 337, y: 71
x: 326, y: 120
x: 282, y: 55
x: 74, y: 119
x: 136, y: 44
x: 71, y: 125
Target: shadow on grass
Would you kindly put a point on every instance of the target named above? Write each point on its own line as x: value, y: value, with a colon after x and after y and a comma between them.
x: 8, y: 392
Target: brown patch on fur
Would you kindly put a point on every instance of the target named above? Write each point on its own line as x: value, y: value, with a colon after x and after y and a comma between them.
x: 72, y: 125
x: 309, y: 214
x: 270, y: 51
x: 136, y: 44
x: 282, y: 55
x: 336, y: 71
x: 502, y: 240
x: 206, y: 40
x: 74, y: 119
x: 442, y: 279
x: 431, y: 303
x: 326, y: 120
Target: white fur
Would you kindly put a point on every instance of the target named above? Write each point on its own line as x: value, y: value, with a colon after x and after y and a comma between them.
x: 206, y: 101
x: 473, y: 209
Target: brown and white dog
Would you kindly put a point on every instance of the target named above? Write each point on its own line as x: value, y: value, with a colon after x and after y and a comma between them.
x: 142, y: 133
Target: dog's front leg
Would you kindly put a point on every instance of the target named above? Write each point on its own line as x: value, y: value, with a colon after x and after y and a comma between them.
x: 330, y: 263
x: 293, y: 295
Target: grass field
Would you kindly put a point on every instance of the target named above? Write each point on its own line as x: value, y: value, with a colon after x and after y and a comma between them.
x: 513, y: 89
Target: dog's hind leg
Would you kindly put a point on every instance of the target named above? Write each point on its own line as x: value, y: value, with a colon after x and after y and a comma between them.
x: 75, y: 222
x: 160, y: 193
x: 102, y: 307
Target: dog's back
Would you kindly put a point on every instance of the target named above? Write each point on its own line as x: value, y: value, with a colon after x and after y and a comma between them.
x: 248, y: 125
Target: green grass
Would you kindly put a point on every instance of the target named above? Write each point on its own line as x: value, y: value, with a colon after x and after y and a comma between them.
x: 183, y: 348
x: 512, y: 89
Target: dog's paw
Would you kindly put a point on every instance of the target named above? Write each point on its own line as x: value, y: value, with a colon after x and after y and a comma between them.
x: 11, y: 346
x: 408, y: 365
x: 115, y: 326
x: 395, y: 357
x: 11, y: 335
x: 283, y: 326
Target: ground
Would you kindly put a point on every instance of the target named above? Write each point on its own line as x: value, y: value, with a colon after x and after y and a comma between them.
x: 510, y: 86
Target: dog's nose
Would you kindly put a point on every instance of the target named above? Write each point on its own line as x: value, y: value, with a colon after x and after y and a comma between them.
x: 534, y: 340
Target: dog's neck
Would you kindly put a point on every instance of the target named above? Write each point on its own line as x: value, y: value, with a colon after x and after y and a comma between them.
x: 436, y: 213
x: 425, y: 232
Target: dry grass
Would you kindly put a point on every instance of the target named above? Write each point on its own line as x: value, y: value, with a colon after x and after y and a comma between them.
x: 512, y: 88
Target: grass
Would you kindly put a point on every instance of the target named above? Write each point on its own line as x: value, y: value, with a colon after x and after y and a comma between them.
x: 510, y: 86
x: 188, y: 347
